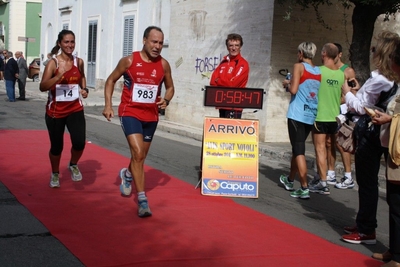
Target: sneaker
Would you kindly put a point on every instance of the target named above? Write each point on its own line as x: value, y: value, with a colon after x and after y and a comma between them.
x: 319, y: 188
x: 331, y: 180
x: 54, y: 180
x: 315, y: 179
x: 144, y: 210
x: 300, y: 193
x: 359, y: 238
x: 76, y: 175
x: 385, y: 256
x: 286, y: 183
x: 350, y: 229
x: 345, y: 183
x: 125, y: 187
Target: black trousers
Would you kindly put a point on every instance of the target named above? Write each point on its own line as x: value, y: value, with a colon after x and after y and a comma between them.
x: 367, y: 162
x: 393, y: 200
x: 76, y: 125
x: 21, y: 87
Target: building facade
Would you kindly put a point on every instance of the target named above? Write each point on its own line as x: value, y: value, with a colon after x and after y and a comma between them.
x: 195, y: 33
x: 20, y: 22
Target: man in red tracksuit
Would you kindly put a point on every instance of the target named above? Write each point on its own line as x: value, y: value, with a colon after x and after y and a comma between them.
x: 233, y: 71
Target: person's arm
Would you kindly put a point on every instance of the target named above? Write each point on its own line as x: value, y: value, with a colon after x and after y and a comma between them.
x: 82, y: 84
x: 381, y: 117
x: 169, y: 86
x: 369, y: 93
x: 350, y: 74
x: 16, y: 68
x: 25, y: 66
x: 48, y: 80
x: 119, y: 70
x: 215, y: 76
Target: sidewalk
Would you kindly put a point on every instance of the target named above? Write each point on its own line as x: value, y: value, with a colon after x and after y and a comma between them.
x: 267, y: 151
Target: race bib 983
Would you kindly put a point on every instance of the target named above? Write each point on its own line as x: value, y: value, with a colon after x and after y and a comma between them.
x: 144, y: 93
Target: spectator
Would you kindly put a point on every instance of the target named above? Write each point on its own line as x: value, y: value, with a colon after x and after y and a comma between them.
x: 325, y: 125
x: 22, y: 75
x: 377, y: 91
x: 10, y: 74
x: 2, y: 63
x: 233, y: 71
x: 346, y: 181
x: 303, y: 87
x: 392, y: 187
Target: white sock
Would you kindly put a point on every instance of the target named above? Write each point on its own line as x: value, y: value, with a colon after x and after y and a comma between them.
x: 331, y: 173
x: 141, y: 195
x: 128, y: 173
x: 347, y: 175
x: 323, y: 183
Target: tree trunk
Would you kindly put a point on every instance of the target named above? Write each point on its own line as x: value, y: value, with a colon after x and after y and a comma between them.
x: 363, y: 19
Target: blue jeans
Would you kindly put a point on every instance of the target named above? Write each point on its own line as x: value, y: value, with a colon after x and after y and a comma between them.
x: 10, y: 88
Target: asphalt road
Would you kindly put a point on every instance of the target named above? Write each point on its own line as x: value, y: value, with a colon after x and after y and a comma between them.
x: 24, y: 241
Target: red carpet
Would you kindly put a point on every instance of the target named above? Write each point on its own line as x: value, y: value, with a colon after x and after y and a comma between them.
x: 101, y: 227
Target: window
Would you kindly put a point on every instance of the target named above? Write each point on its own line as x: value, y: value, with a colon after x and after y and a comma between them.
x: 129, y: 23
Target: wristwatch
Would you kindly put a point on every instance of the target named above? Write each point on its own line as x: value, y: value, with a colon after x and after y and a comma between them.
x: 87, y: 90
x: 166, y: 100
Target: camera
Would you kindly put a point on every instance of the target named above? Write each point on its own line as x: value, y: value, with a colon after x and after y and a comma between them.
x: 351, y: 84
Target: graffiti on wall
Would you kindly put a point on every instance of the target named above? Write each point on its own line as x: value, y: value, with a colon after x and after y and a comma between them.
x: 207, y: 64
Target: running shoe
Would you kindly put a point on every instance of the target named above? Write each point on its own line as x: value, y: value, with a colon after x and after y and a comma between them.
x: 54, y: 180
x: 300, y: 193
x: 315, y: 179
x: 286, y: 183
x: 359, y: 238
x: 144, y: 210
x: 319, y: 188
x: 345, y: 183
x: 331, y: 180
x: 125, y: 187
x: 76, y: 175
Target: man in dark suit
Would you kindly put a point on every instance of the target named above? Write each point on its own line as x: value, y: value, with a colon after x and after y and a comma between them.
x: 10, y: 74
x: 22, y: 75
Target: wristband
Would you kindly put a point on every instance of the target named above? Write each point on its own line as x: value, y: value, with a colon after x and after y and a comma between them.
x: 87, y: 90
x: 166, y: 100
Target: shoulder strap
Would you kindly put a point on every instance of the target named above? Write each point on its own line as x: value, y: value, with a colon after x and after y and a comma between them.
x: 385, y: 97
x: 56, y: 61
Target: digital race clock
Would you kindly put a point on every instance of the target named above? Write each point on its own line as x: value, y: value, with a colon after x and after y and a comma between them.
x: 233, y: 97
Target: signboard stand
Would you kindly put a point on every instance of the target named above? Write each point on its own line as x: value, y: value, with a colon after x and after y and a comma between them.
x: 229, y: 161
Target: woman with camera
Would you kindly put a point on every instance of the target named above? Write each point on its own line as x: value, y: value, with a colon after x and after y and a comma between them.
x: 377, y: 91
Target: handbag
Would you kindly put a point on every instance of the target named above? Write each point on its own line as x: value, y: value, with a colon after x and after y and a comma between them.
x: 364, y: 126
x: 393, y: 160
x: 345, y: 137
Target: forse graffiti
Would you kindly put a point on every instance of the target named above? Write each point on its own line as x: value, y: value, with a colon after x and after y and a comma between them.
x: 207, y: 64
